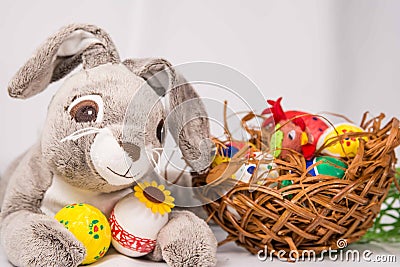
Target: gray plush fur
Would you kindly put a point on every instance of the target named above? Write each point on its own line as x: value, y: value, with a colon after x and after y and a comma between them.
x: 44, y: 67
x: 32, y: 238
x: 187, y: 122
x: 192, y: 230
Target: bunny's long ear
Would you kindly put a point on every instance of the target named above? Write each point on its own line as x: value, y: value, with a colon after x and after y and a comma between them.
x: 59, y: 55
x: 187, y: 118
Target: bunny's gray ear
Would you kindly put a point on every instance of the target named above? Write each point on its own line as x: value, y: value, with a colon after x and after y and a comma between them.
x: 59, y: 55
x: 189, y: 125
x: 157, y: 72
x: 187, y: 118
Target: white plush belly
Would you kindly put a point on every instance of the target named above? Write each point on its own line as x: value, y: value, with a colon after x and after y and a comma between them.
x: 61, y: 193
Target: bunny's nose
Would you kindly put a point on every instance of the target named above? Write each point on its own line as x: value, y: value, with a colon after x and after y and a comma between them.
x: 132, y: 150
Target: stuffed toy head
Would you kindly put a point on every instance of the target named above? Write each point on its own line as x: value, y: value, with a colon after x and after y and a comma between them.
x: 104, y: 120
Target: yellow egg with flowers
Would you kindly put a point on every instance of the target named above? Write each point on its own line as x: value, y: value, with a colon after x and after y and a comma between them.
x: 89, y: 225
x: 346, y: 147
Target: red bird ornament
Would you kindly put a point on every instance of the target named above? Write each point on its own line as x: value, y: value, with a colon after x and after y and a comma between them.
x: 294, y: 130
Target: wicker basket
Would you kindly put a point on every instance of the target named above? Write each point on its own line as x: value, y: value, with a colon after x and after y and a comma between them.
x: 315, y: 211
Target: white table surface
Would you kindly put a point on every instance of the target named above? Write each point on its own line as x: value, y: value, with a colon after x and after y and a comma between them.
x: 232, y: 255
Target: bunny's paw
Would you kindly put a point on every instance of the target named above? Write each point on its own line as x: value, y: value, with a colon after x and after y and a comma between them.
x: 188, y: 252
x: 41, y: 241
x: 187, y: 241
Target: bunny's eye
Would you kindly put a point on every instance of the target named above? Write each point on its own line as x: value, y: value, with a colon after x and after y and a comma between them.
x: 160, y: 131
x: 87, y: 109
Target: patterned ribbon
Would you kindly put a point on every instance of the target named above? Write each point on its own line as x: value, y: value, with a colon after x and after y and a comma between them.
x: 129, y: 241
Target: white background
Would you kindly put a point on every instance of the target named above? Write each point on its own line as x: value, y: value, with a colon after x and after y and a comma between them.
x: 340, y: 56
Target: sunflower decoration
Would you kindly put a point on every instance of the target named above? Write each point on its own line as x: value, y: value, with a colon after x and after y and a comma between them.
x: 155, y: 197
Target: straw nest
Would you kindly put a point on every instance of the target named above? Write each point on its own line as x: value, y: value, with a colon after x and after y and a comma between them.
x: 308, y: 212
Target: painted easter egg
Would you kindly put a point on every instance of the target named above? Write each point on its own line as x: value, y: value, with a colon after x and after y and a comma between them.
x: 315, y: 124
x: 258, y: 155
x: 288, y: 136
x: 328, y: 166
x: 240, y: 145
x: 89, y: 226
x: 138, y: 217
x: 230, y: 149
x: 293, y: 130
x: 348, y: 147
x: 225, y: 154
x: 245, y: 172
x: 218, y: 159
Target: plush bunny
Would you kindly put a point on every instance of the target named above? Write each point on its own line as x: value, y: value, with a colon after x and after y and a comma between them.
x: 85, y: 154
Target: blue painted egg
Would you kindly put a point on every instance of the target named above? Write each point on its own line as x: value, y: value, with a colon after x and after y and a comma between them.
x: 230, y: 151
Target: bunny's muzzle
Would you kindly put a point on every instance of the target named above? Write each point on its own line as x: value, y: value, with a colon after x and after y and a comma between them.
x: 118, y: 162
